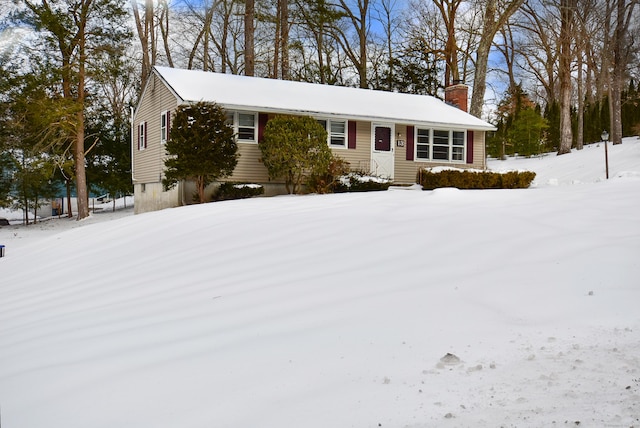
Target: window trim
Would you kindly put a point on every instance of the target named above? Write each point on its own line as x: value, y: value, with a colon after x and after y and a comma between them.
x: 164, y: 126
x: 450, y: 146
x: 344, y: 135
x: 142, y: 135
x: 236, y: 125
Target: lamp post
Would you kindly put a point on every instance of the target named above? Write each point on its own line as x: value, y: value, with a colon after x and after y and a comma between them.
x: 605, y: 137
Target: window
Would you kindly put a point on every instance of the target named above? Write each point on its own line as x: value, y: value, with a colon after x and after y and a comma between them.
x: 165, y: 118
x: 440, y: 145
x: 244, y: 126
x: 142, y: 136
x: 336, y: 132
x: 457, y: 149
x: 422, y: 143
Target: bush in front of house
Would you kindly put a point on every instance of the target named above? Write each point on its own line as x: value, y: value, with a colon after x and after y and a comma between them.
x: 294, y: 148
x: 201, y: 147
x: 467, y: 179
x: 229, y: 190
x: 326, y: 181
x: 360, y: 181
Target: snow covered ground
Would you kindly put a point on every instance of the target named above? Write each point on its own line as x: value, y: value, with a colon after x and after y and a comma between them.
x: 497, y: 308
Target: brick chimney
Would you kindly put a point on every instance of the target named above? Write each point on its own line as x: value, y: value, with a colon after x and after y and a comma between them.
x: 457, y: 95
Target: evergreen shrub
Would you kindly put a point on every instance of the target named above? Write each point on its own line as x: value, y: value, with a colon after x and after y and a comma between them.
x: 229, y: 190
x: 360, y: 181
x: 460, y: 179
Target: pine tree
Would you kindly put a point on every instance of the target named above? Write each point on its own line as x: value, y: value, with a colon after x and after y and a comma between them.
x: 201, y: 147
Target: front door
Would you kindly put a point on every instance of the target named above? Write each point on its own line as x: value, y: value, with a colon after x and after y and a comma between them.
x: 382, y: 150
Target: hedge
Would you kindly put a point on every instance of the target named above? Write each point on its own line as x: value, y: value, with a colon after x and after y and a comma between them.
x: 466, y: 179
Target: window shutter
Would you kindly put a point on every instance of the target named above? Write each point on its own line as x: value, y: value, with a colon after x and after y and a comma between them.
x: 351, y: 135
x: 145, y: 134
x: 138, y: 135
x: 409, y: 145
x: 168, y: 123
x: 263, y: 118
x: 469, y: 146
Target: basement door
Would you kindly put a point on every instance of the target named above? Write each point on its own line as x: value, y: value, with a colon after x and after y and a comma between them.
x: 382, y: 149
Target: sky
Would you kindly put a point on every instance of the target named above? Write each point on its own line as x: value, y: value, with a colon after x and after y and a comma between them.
x: 404, y: 308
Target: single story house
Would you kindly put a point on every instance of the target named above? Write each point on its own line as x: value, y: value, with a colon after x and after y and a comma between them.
x: 390, y: 134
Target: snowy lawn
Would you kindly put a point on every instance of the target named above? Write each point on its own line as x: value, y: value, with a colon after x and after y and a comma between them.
x: 396, y: 309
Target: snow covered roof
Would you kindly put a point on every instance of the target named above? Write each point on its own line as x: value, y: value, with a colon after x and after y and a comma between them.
x: 284, y: 96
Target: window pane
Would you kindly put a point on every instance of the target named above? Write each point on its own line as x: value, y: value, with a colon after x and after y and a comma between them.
x: 457, y: 153
x: 423, y: 136
x: 458, y: 138
x: 441, y: 153
x: 246, y: 134
x: 337, y: 141
x: 246, y: 120
x: 422, y: 151
x: 441, y: 137
x: 337, y: 127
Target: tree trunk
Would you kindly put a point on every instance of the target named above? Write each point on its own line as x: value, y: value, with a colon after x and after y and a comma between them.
x: 284, y: 40
x: 81, y: 178
x: 249, y: 32
x: 69, y: 210
x: 621, y: 54
x: 567, y: 8
x: 164, y: 29
x: 492, y: 22
x: 448, y: 9
x: 580, y: 136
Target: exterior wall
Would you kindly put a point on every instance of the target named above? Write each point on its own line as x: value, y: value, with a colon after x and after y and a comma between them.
x: 406, y: 170
x: 249, y: 167
x: 154, y: 198
x: 360, y: 157
x: 148, y: 163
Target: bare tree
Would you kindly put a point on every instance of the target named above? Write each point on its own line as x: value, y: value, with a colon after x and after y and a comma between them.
x: 567, y: 11
x: 145, y: 27
x: 448, y: 11
x: 249, y: 34
x: 359, y: 19
x: 621, y: 54
x: 164, y: 29
x: 497, y: 13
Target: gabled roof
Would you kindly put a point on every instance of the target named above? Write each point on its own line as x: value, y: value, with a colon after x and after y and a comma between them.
x: 288, y: 97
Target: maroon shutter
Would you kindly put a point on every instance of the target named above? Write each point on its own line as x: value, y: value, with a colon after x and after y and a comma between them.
x: 469, y: 146
x: 262, y: 122
x: 351, y: 135
x: 410, y: 138
x: 168, y: 123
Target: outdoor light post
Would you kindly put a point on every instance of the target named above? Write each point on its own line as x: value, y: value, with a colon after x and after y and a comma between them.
x: 605, y: 137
